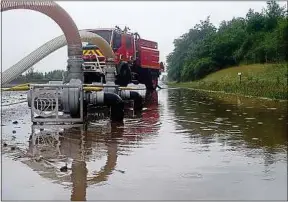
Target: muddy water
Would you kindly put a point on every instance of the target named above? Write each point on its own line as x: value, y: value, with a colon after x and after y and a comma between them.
x: 185, y: 145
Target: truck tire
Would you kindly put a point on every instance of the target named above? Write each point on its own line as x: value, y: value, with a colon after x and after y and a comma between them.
x: 151, y: 81
x: 124, y: 74
x: 152, y: 84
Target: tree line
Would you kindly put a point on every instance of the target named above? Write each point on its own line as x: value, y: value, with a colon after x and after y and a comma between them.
x: 35, y: 76
x: 260, y: 37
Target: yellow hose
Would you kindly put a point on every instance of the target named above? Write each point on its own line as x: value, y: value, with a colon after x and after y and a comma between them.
x: 91, y: 88
x: 25, y: 87
x: 24, y: 84
x: 17, y: 88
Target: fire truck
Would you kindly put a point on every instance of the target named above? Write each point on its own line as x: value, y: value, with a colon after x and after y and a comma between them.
x: 136, y: 59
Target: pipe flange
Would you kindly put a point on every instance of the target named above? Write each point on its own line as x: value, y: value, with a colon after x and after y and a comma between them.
x: 74, y: 102
x: 29, y: 97
x: 125, y: 94
x: 74, y: 98
x: 108, y: 87
x: 110, y: 90
x: 65, y: 100
x: 96, y: 98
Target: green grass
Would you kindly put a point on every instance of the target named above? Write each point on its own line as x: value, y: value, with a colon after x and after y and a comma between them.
x: 261, y: 80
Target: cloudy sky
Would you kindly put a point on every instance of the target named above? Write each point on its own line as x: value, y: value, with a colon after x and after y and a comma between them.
x: 23, y: 30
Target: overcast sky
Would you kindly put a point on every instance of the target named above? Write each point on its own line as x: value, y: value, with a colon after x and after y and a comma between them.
x: 23, y: 31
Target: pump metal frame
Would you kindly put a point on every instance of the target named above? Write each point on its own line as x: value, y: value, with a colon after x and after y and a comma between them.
x: 54, y: 115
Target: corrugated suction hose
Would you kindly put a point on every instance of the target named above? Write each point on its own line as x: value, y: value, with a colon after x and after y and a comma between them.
x: 48, y: 48
x: 68, y: 26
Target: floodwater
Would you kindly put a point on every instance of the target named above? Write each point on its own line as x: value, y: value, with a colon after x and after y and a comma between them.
x: 185, y: 145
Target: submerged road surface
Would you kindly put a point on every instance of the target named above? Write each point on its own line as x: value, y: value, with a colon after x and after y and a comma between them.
x: 186, y: 145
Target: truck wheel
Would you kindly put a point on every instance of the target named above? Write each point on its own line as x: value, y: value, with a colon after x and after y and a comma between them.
x: 124, y: 73
x: 152, y: 83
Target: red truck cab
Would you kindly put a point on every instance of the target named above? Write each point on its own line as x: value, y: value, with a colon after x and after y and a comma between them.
x: 136, y: 59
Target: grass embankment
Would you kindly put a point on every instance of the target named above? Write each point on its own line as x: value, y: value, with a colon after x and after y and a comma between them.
x: 261, y: 80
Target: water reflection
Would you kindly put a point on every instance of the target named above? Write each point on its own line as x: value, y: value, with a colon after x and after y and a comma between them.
x: 82, y: 147
x: 238, y: 123
x: 187, y: 146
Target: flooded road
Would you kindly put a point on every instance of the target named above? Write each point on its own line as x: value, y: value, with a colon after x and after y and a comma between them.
x: 185, y: 145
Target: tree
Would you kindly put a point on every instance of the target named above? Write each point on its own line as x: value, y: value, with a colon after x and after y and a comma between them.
x: 258, y: 38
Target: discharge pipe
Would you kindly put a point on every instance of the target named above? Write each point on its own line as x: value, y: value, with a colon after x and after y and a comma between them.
x: 112, y: 100
x: 133, y: 95
x: 116, y: 105
x: 66, y: 23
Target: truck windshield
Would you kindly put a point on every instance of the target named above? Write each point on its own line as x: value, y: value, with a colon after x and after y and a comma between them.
x: 105, y: 34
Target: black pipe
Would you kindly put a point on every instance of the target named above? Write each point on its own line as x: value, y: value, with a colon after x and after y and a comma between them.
x: 138, y: 100
x: 117, y: 106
